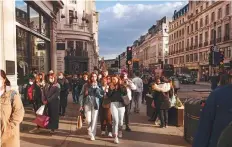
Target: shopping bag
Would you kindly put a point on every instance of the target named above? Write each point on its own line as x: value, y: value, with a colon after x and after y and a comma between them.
x: 79, y: 122
x: 41, y: 120
x: 153, y: 104
x: 40, y: 111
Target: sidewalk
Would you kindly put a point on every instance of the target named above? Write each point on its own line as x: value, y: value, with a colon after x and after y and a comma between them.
x: 204, y: 83
x: 143, y: 133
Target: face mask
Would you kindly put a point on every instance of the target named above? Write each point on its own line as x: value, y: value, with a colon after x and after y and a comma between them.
x: 51, y: 80
x: 8, y: 88
x: 60, y: 77
x: 30, y: 83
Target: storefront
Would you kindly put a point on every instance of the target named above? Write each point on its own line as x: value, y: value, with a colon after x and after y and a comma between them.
x: 28, y: 30
x: 34, y: 38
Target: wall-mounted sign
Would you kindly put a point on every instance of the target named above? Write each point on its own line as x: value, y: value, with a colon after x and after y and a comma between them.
x: 10, y: 67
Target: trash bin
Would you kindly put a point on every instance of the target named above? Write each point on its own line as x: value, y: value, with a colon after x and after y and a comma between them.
x: 149, y: 100
x: 193, y: 108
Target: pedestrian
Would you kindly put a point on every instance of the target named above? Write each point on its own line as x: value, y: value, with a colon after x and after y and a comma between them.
x: 138, y: 93
x: 36, y: 99
x: 64, y: 90
x: 74, y: 88
x: 145, y: 89
x: 105, y: 113
x: 129, y: 87
x: 51, y: 98
x: 12, y: 113
x: 117, y: 107
x: 161, y: 98
x: 215, y: 117
x: 90, y: 101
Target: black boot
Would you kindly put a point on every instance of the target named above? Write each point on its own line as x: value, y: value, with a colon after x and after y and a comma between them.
x: 128, y: 129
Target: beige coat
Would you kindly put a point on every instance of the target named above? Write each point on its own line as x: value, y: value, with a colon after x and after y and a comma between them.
x: 12, y: 113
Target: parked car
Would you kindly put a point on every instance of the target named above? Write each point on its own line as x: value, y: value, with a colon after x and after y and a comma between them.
x: 187, y: 79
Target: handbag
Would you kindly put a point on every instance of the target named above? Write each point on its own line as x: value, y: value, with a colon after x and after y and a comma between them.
x: 79, y: 122
x: 41, y: 120
x: 40, y: 111
x: 126, y: 100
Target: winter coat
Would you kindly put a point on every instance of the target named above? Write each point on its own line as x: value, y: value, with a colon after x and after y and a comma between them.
x: 52, y: 95
x: 215, y: 117
x: 89, y: 94
x: 12, y: 113
x: 64, y: 90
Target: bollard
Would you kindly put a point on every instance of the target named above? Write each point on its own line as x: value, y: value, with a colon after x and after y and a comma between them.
x: 193, y: 108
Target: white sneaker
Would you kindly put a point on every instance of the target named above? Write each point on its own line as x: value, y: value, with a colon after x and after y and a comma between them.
x: 110, y: 135
x: 120, y: 134
x: 103, y: 133
x: 92, y: 138
x: 116, y: 140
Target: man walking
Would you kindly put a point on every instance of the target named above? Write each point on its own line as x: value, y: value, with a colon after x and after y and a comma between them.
x: 138, y: 92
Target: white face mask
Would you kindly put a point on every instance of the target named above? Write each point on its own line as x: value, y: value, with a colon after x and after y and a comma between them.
x: 30, y: 83
x: 60, y: 77
x: 8, y: 88
x: 51, y: 80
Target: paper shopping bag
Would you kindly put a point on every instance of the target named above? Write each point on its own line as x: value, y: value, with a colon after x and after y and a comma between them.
x: 79, y: 122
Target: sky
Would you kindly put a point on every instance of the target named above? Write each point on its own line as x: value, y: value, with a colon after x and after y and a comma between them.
x: 123, y: 22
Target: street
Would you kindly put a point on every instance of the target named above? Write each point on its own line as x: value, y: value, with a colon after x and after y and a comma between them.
x: 143, y: 133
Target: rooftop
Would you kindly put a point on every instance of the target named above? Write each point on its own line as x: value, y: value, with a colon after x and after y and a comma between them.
x: 181, y: 12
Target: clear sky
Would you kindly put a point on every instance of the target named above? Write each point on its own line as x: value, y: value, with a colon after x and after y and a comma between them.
x: 122, y: 22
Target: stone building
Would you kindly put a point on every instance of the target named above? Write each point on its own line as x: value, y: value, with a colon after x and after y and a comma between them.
x: 152, y: 48
x: 27, y: 37
x: 77, y: 36
x: 191, y: 35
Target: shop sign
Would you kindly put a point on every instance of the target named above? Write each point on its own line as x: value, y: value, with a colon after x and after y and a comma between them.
x: 60, y: 60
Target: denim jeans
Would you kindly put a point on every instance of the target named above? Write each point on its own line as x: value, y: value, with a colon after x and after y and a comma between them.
x: 137, y: 99
x: 117, y: 114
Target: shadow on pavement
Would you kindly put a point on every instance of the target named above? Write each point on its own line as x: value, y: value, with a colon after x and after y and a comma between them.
x: 155, y: 138
x: 56, y: 142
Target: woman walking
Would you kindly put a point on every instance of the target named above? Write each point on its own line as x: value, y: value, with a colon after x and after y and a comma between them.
x: 12, y: 113
x: 52, y: 99
x: 116, y: 91
x: 90, y: 101
x: 105, y: 113
x: 64, y: 90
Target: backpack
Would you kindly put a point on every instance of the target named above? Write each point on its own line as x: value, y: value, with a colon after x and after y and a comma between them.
x: 30, y: 92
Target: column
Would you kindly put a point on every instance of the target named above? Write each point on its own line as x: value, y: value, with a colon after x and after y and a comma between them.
x: 53, y: 55
x: 8, y: 40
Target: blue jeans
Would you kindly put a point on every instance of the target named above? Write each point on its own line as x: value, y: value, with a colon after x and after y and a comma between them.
x: 75, y: 95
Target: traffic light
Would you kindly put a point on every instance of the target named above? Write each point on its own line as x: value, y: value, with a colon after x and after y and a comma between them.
x: 129, y: 55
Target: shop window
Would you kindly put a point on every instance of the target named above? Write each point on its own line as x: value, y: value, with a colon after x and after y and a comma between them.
x: 34, y: 20
x: 21, y: 12
x: 45, y: 25
x: 41, y: 62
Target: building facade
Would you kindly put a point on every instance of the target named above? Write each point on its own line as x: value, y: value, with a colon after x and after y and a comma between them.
x: 31, y: 45
x: 152, y: 49
x: 77, y: 36
x: 192, y: 35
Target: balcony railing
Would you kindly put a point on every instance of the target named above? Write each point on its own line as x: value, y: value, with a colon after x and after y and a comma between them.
x: 219, y: 40
x: 206, y: 43
x: 200, y: 44
x: 226, y: 38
